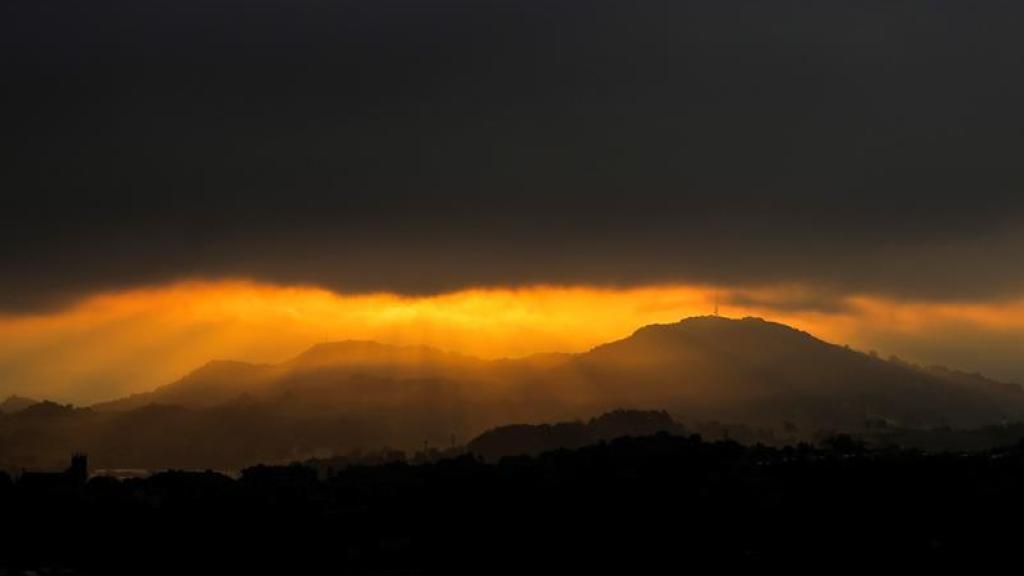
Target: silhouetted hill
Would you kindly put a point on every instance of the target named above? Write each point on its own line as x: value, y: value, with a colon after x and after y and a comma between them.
x: 47, y: 410
x: 755, y: 371
x: 214, y: 383
x: 324, y: 364
x: 519, y: 439
x: 338, y: 397
x: 16, y: 403
x: 373, y: 357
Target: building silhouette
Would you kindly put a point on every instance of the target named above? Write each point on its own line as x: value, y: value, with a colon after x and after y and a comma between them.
x: 73, y: 478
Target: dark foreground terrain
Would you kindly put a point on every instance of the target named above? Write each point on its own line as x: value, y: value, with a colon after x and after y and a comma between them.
x: 661, y: 501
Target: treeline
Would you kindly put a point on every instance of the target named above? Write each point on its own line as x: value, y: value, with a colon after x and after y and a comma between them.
x: 633, y: 503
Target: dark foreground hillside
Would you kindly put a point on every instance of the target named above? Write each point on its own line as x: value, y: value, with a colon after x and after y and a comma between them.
x: 633, y: 503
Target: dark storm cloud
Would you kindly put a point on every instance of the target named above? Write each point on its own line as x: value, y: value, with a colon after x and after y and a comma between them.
x: 419, y: 146
x: 790, y: 301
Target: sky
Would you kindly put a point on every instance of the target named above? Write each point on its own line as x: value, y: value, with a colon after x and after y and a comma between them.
x: 849, y: 166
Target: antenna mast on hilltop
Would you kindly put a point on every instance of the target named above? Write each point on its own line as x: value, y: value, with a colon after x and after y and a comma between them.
x: 716, y: 303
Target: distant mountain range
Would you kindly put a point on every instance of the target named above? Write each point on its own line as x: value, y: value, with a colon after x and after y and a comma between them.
x: 341, y: 396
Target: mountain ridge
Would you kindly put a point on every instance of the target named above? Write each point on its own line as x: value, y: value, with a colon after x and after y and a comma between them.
x: 15, y: 403
x: 338, y: 397
x: 748, y: 357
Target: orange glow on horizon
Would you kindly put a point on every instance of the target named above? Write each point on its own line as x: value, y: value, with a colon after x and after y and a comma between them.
x: 118, y: 343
